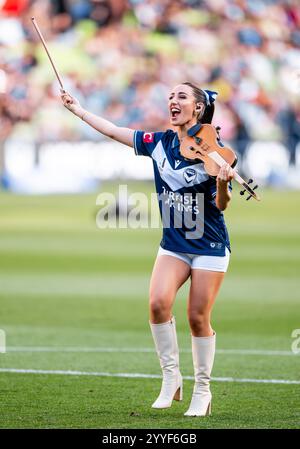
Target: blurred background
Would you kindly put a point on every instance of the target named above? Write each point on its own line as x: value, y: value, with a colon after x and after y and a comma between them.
x: 120, y: 58
x: 75, y: 297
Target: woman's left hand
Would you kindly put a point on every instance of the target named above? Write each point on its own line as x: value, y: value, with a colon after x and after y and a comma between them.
x: 225, y: 173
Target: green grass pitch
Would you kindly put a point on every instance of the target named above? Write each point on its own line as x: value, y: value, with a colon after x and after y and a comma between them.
x: 74, y: 298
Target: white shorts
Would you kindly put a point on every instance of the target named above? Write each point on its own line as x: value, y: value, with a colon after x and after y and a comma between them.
x: 196, y: 261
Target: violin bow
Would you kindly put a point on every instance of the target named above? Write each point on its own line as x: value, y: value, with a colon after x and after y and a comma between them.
x: 34, y: 23
x: 215, y: 156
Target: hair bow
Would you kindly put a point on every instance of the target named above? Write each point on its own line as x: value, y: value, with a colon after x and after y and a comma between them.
x: 210, y: 96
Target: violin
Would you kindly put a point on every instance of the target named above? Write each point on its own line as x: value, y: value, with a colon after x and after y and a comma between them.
x: 202, y: 143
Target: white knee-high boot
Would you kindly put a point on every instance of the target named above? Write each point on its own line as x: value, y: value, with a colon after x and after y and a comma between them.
x: 203, y: 349
x: 165, y: 339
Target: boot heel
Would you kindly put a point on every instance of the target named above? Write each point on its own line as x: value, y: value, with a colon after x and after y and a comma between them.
x: 179, y: 394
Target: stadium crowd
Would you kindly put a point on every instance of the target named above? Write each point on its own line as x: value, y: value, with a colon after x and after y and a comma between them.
x: 120, y: 58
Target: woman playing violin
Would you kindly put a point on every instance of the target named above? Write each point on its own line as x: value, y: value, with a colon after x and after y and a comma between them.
x: 195, y: 243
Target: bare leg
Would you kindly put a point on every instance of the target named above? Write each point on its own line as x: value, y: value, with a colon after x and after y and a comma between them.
x: 203, y: 291
x: 169, y: 273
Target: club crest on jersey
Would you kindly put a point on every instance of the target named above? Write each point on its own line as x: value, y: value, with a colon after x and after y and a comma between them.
x: 189, y: 175
x: 148, y: 137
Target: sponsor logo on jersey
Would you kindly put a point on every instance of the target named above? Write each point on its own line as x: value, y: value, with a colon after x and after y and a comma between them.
x: 148, y: 137
x: 189, y: 175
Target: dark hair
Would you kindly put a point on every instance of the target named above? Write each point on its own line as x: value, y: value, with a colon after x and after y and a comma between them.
x: 207, y: 115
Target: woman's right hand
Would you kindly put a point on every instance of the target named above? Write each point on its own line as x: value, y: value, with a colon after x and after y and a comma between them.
x: 71, y: 103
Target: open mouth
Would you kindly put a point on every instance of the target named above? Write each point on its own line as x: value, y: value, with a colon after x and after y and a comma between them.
x: 175, y: 112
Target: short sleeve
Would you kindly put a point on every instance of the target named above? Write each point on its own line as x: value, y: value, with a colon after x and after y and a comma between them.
x: 145, y: 142
x: 213, y: 188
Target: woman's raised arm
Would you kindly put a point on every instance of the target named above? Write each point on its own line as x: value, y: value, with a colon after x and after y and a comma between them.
x: 109, y: 129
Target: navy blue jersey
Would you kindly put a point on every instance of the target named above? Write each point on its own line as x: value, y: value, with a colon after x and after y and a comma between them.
x: 192, y: 223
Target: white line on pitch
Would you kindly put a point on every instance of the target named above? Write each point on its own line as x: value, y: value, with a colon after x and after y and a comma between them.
x: 142, y: 350
x: 141, y: 376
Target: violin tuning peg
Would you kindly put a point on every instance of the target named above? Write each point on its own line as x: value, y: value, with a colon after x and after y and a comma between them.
x: 249, y: 197
x: 250, y: 181
x: 242, y: 192
x: 255, y: 187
